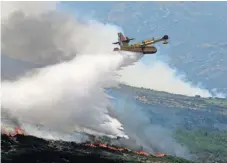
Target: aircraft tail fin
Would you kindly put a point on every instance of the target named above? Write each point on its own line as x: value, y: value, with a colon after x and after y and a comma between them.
x: 122, y: 40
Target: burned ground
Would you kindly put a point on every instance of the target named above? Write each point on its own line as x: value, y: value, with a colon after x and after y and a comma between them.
x: 22, y: 148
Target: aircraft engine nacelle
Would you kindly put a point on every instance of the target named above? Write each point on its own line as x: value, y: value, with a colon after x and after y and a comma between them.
x: 165, y: 38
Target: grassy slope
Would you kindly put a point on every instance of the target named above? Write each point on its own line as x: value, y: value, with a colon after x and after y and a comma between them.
x: 174, y: 100
x: 201, y: 140
x: 208, y: 146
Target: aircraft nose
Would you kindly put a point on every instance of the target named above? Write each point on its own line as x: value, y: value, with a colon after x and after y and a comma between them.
x: 165, y: 37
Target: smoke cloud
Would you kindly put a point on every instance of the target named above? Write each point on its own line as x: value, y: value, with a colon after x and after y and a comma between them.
x: 50, y: 36
x: 145, y: 135
x: 28, y: 8
x: 68, y: 93
x: 159, y: 76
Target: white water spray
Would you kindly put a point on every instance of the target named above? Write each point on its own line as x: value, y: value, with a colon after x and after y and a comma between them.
x: 67, y: 96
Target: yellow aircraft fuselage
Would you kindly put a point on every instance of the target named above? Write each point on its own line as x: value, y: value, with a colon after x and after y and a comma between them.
x: 144, y: 47
x: 138, y: 49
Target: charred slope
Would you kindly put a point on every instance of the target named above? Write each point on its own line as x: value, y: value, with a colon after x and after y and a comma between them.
x: 31, y: 149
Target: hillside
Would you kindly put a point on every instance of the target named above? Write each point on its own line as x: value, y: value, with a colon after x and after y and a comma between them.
x: 28, y: 148
x: 157, y: 98
x: 195, y: 122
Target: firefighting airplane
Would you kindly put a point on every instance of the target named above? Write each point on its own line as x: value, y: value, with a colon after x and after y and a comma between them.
x: 143, y: 47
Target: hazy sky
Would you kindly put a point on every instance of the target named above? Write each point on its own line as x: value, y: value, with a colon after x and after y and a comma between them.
x: 194, y: 25
x: 197, y: 47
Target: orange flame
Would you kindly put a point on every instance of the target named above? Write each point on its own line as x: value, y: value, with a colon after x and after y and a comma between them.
x: 91, y: 145
x: 19, y: 131
x: 107, y: 147
x: 159, y: 154
x: 142, y: 153
x: 124, y: 149
x: 16, y: 131
x: 103, y: 145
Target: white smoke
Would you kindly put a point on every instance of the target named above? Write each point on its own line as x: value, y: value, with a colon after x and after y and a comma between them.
x: 28, y: 8
x: 144, y: 133
x: 49, y: 37
x: 68, y: 95
x: 159, y: 76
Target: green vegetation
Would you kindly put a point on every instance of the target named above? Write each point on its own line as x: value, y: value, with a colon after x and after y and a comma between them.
x: 158, y: 98
x: 207, y: 146
x: 224, y: 112
x: 217, y: 102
